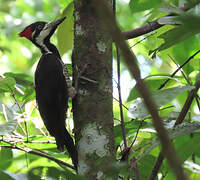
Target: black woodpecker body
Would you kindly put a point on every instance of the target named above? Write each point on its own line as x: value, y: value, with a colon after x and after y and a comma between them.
x: 50, y: 85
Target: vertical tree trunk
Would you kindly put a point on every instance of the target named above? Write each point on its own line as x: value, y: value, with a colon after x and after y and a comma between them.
x: 92, y: 107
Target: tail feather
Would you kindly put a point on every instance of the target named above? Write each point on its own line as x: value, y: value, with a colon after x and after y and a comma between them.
x: 71, y: 148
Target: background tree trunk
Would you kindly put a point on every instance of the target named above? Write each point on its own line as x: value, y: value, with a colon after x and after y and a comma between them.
x: 92, y: 107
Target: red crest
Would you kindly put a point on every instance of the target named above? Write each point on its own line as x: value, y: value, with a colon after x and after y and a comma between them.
x: 27, y: 33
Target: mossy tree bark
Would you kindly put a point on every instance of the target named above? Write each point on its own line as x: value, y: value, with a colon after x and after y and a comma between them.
x: 92, y: 107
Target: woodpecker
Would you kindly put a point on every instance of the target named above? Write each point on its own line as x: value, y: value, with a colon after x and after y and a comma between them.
x: 50, y: 84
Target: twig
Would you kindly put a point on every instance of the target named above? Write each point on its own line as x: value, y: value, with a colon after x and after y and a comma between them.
x: 156, y: 166
x: 119, y: 102
x: 151, y: 26
x: 109, y: 22
x: 186, y: 78
x: 143, y: 39
x: 120, y: 99
x: 42, y: 154
x: 119, y: 92
x: 180, y: 67
x: 26, y: 129
x: 188, y: 81
x: 188, y: 101
x: 179, y: 120
x: 136, y: 134
x: 161, y: 157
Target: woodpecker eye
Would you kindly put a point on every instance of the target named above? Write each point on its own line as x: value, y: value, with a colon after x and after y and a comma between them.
x: 39, y: 27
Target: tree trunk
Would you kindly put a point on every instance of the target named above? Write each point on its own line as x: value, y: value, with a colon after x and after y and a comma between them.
x: 92, y: 107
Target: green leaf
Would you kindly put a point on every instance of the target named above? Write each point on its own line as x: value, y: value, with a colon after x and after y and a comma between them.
x: 69, y: 69
x: 55, y: 173
x: 8, y: 127
x: 20, y: 78
x: 162, y: 97
x: 141, y: 5
x: 183, y: 146
x: 37, y: 142
x: 153, y: 83
x: 181, y: 56
x: 35, y: 173
x: 130, y: 126
x: 65, y: 30
x: 5, y: 176
x: 6, y: 111
x: 145, y: 166
x: 180, y: 33
x: 174, y: 132
x: 6, y: 157
x: 7, y: 84
x: 29, y: 94
x: 52, y: 173
x: 64, y: 2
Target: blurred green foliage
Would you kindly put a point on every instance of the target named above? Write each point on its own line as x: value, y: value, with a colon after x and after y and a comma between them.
x: 171, y: 45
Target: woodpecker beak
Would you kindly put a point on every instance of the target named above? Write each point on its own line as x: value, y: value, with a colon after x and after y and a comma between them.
x: 54, y: 24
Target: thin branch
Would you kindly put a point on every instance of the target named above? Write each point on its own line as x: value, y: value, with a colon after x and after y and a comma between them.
x: 26, y: 129
x: 157, y: 166
x: 119, y: 102
x: 119, y: 91
x: 147, y: 28
x: 184, y: 75
x: 179, y: 120
x: 152, y: 26
x: 143, y: 39
x: 137, y: 132
x: 188, y: 101
x: 161, y: 157
x: 179, y: 68
x: 42, y: 154
x: 188, y: 81
x: 120, y: 99
x: 109, y: 22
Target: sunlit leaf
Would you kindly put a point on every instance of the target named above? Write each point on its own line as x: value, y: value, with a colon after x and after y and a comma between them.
x: 153, y: 83
x: 29, y: 94
x: 4, y: 176
x: 65, y: 30
x: 141, y: 5
x: 162, y: 97
x: 20, y: 78
x: 7, y: 84
x: 145, y: 166
x: 180, y: 33
x: 6, y: 111
x: 183, y: 146
x: 17, y: 176
x: 177, y: 131
x: 6, y: 156
x: 131, y: 127
x: 55, y: 173
x: 69, y: 68
x: 64, y: 3
x: 8, y: 127
x: 35, y: 173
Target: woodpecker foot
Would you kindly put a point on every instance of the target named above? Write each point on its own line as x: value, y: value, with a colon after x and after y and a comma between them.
x: 72, y: 91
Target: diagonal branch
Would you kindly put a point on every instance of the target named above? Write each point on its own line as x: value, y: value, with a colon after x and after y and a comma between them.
x: 178, y: 69
x: 188, y: 101
x: 41, y: 154
x: 106, y: 15
x: 152, y: 26
x: 179, y: 120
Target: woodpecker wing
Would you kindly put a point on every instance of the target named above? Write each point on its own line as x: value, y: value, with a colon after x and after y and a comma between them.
x: 51, y: 96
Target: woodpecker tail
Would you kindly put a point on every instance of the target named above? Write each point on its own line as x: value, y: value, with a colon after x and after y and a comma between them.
x: 69, y: 143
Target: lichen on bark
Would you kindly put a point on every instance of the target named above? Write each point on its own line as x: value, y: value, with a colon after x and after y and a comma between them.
x: 92, y: 107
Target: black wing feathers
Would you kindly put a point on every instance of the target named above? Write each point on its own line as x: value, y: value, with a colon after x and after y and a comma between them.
x: 52, y: 98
